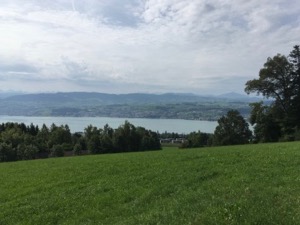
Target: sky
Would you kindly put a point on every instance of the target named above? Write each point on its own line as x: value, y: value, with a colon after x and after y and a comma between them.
x: 148, y: 46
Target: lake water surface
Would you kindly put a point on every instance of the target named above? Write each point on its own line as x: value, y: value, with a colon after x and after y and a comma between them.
x: 79, y: 123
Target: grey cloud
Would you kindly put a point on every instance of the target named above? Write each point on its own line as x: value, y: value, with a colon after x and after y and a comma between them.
x: 120, y: 87
x: 140, y: 45
x: 75, y: 70
x: 18, y: 68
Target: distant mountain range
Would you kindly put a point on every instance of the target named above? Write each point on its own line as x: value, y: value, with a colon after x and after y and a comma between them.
x: 134, y: 98
x: 5, y: 94
x: 169, y: 105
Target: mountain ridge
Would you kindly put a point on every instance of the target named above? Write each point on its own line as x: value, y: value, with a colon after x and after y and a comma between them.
x: 106, y: 98
x: 133, y: 105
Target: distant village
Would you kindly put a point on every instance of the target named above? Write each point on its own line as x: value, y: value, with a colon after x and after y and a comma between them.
x: 172, y: 140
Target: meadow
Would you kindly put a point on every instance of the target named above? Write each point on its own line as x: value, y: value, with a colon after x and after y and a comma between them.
x: 249, y: 184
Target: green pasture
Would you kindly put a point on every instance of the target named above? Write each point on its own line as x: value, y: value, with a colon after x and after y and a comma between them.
x: 250, y: 184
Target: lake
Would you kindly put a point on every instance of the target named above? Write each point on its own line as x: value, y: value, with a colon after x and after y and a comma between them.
x: 79, y: 123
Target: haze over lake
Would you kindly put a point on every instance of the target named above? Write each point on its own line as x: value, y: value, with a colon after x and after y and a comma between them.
x: 77, y: 124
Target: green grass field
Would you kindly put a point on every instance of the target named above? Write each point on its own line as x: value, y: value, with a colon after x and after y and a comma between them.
x: 251, y: 184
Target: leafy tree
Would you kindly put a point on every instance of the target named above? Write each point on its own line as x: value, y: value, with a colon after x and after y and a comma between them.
x: 42, y: 139
x: 106, y: 139
x: 129, y: 138
x: 232, y: 129
x: 60, y: 135
x: 106, y: 144
x: 294, y: 59
x: 77, y: 150
x: 12, y: 135
x: 279, y: 79
x: 90, y: 130
x: 196, y: 139
x: 125, y: 138
x: 93, y: 141
x: 107, y: 130
x: 149, y: 139
x: 67, y: 146
x: 17, y: 143
x: 94, y: 144
x: 26, y: 152
x: 266, y: 127
x: 7, y: 153
x: 275, y: 81
x: 57, y: 151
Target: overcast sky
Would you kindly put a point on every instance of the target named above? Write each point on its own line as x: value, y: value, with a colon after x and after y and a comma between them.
x: 150, y: 46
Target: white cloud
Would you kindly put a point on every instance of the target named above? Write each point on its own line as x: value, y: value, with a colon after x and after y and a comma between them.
x: 145, y: 46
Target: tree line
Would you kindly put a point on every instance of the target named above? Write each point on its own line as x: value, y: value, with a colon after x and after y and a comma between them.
x: 21, y: 142
x: 232, y: 129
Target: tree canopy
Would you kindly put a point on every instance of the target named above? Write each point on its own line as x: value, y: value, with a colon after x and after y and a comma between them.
x: 279, y: 80
x: 21, y: 142
x: 232, y: 129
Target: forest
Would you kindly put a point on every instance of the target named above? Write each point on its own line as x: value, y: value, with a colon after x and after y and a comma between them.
x: 21, y: 142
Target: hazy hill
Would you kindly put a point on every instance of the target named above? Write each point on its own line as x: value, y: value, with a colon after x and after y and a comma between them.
x: 107, y: 99
x: 5, y: 94
x: 139, y: 105
x: 237, y: 96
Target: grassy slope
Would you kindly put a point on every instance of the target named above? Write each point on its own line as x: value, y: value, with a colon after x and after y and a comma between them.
x: 254, y: 184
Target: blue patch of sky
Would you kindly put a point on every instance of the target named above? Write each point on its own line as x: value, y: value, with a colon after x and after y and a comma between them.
x: 292, y: 19
x: 120, y: 15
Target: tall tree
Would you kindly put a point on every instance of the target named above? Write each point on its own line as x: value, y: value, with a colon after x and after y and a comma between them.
x: 276, y: 80
x: 279, y: 79
x: 294, y: 59
x: 92, y: 135
x: 232, y: 129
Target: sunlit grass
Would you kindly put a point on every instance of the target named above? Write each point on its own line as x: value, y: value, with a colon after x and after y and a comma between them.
x: 251, y: 184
